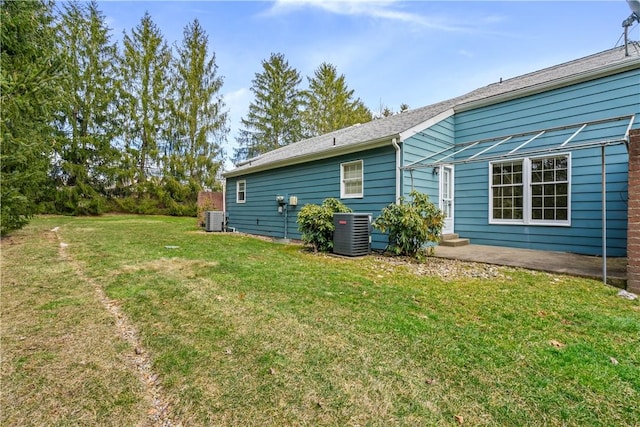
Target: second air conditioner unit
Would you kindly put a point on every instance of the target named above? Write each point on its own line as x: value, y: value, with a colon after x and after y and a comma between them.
x: 214, y: 221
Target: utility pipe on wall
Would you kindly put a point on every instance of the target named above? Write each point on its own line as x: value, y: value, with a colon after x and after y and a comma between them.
x: 398, y: 166
x: 224, y: 196
x: 286, y: 221
x: 604, y: 216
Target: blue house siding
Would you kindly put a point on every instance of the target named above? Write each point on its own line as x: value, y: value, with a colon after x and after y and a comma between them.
x: 559, y: 100
x: 584, y: 234
x: 426, y: 144
x: 604, y: 98
x: 607, y: 97
x: 312, y: 183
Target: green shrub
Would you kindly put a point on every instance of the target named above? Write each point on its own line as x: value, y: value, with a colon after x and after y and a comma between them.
x: 182, y: 209
x: 15, y: 210
x: 159, y: 197
x: 315, y: 222
x: 137, y: 205
x: 80, y: 199
x: 410, y: 225
x: 147, y: 205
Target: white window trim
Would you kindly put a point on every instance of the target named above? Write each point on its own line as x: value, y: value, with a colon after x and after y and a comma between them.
x: 343, y: 194
x: 243, y: 181
x: 525, y: 212
x: 527, y: 194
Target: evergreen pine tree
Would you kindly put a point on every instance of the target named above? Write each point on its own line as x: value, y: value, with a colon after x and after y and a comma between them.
x: 274, y: 118
x: 329, y: 104
x: 144, y: 86
x: 30, y: 83
x: 85, y: 158
x: 198, y: 122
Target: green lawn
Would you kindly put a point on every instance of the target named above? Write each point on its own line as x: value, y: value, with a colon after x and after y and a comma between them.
x: 241, y: 331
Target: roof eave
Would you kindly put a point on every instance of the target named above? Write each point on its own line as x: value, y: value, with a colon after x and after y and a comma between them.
x: 320, y: 155
x: 426, y: 124
x: 585, y: 76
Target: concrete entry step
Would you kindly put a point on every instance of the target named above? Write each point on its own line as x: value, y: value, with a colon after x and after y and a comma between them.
x: 450, y: 236
x: 454, y: 242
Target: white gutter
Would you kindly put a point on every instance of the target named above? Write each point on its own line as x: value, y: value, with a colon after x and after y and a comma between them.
x: 398, y: 168
x: 309, y: 157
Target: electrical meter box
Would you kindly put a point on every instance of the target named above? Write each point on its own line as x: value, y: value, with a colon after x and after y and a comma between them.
x: 352, y: 234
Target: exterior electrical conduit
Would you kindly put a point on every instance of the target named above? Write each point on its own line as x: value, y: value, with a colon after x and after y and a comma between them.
x: 398, y: 166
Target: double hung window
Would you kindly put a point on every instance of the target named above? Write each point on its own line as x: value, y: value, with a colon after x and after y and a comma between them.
x: 351, y: 184
x: 241, y: 191
x: 531, y: 191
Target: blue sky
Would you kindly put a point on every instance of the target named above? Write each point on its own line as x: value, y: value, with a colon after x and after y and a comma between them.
x: 391, y: 52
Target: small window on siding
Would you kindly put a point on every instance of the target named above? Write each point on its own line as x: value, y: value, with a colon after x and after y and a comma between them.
x: 241, y: 191
x: 351, y: 183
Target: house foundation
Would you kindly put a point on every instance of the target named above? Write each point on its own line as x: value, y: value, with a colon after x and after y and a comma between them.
x: 633, y: 227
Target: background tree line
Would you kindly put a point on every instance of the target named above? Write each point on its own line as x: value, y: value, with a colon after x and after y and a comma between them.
x: 89, y: 125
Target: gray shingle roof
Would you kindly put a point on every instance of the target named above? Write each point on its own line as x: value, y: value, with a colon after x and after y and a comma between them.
x: 386, y: 128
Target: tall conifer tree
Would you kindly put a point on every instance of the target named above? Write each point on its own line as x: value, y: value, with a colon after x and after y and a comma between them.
x: 329, y: 104
x: 30, y: 83
x: 274, y: 115
x: 144, y: 83
x: 85, y: 162
x: 199, y: 122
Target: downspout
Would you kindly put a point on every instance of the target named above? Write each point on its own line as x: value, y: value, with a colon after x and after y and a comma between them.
x: 398, y: 166
x: 604, y: 215
x: 224, y: 203
x: 224, y: 195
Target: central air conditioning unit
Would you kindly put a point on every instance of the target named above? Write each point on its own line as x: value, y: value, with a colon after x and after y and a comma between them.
x: 352, y: 234
x: 214, y: 221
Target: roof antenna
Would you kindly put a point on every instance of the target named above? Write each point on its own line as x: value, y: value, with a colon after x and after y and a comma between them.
x: 634, y: 5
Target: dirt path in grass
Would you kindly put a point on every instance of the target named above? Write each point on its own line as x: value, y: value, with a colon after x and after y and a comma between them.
x: 159, y: 413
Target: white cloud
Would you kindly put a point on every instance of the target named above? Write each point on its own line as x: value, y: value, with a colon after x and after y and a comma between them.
x: 386, y: 10
x: 355, y: 51
x: 237, y: 96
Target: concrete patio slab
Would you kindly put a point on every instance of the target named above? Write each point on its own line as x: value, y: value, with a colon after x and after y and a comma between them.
x: 553, y: 262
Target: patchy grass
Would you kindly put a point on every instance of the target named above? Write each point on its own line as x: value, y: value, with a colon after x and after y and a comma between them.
x: 62, y: 361
x: 247, y: 332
